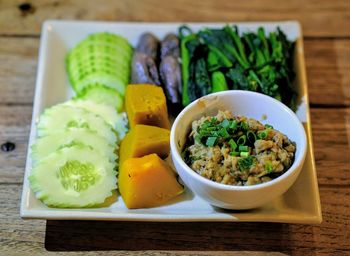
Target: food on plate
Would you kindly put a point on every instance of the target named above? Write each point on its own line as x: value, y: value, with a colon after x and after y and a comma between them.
x: 171, y: 77
x: 170, y: 46
x: 220, y: 59
x: 144, y: 69
x: 237, y: 150
x: 103, y: 95
x: 146, y: 104
x: 147, y: 182
x: 75, y: 176
x: 170, y: 71
x: 75, y: 157
x: 164, y: 69
x: 101, y: 58
x: 148, y: 44
x: 116, y: 120
x: 64, y: 117
x: 44, y: 146
x: 142, y: 140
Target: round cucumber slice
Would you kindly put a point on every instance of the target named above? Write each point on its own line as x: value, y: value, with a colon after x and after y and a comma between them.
x: 102, y: 94
x: 77, y: 176
x: 62, y: 117
x: 44, y: 146
x: 108, y: 113
x: 108, y: 80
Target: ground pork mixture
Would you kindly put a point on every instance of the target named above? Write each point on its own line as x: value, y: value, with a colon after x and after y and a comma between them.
x: 237, y: 150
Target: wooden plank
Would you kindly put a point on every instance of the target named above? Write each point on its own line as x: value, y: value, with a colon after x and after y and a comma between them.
x: 328, y: 71
x: 33, y: 237
x: 330, y: 128
x: 18, y: 63
x: 319, y: 18
x: 327, y: 63
x: 14, y: 127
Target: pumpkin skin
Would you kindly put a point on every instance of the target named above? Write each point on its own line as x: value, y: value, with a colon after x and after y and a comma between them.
x: 146, y: 104
x: 147, y: 182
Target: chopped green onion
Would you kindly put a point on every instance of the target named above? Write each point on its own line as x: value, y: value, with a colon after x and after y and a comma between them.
x: 225, y: 123
x: 233, y: 125
x: 244, y: 154
x: 242, y: 148
x: 244, y: 126
x: 262, y: 135
x: 241, y: 140
x: 268, y: 166
x: 234, y: 153
x: 268, y: 126
x: 251, y: 137
x: 245, y: 163
x: 223, y: 133
x: 198, y: 138
x: 232, y: 144
x: 211, y: 141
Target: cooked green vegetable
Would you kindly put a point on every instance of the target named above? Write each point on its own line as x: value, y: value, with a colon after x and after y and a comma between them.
x: 252, y: 61
x: 218, y: 81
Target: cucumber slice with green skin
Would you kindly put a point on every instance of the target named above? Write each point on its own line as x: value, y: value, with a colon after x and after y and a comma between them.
x: 44, y: 146
x: 104, y: 51
x: 77, y: 176
x: 62, y: 117
x: 102, y: 94
x: 103, y: 78
x: 80, y: 73
x: 108, y: 113
x: 79, y: 67
x: 103, y: 58
x: 106, y: 38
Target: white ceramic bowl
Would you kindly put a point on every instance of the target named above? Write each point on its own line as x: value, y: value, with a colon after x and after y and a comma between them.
x: 250, y: 104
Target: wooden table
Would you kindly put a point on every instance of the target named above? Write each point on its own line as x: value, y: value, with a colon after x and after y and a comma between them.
x: 326, y: 27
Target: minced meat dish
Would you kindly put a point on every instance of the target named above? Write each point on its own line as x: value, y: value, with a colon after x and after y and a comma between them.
x: 237, y: 150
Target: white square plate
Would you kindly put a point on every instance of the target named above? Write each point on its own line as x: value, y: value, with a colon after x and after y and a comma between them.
x: 300, y: 204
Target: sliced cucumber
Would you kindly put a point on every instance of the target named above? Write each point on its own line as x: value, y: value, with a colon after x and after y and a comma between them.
x: 76, y: 176
x: 44, y: 146
x: 102, y: 58
x: 108, y: 113
x: 102, y: 94
x: 104, y: 78
x: 62, y: 117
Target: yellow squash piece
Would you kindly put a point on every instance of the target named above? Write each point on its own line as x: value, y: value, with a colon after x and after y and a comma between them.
x: 142, y: 140
x: 147, y: 182
x: 146, y: 104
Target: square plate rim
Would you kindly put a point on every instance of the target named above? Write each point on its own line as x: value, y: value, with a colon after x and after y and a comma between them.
x: 56, y: 214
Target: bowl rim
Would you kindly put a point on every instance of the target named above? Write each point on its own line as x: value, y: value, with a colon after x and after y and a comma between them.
x: 297, y: 161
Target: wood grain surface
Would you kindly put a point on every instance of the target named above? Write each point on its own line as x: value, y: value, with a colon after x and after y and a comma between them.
x: 327, y: 53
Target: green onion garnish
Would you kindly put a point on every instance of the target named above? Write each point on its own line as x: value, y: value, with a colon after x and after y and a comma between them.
x: 251, y: 137
x: 262, y: 135
x: 244, y: 126
x: 225, y: 123
x: 268, y: 166
x: 234, y: 153
x: 211, y: 141
x: 233, y: 125
x: 244, y: 154
x: 268, y: 126
x: 232, y: 144
x: 242, y: 148
x: 241, y: 140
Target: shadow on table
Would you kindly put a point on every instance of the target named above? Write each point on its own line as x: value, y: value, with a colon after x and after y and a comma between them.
x: 200, y: 236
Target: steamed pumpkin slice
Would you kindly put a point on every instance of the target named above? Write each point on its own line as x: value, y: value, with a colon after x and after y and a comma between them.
x: 146, y: 104
x: 147, y: 182
x: 142, y: 140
